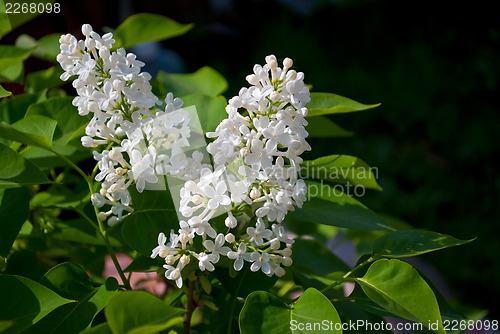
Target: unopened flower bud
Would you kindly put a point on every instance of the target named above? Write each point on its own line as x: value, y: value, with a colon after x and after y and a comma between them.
x: 280, y: 272
x: 287, y: 261
x: 254, y: 193
x: 275, y: 244
x: 185, y: 259
x: 287, y: 63
x: 86, y: 29
x: 286, y: 252
x: 230, y: 238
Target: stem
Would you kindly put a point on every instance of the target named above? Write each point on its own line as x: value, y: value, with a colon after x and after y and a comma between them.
x: 190, y: 307
x: 347, y: 274
x: 102, y: 228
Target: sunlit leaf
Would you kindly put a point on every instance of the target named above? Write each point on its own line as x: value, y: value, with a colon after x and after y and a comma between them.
x: 4, y: 93
x: 70, y: 124
x: 47, y: 47
x: 5, y: 26
x: 342, y: 169
x: 397, y: 287
x: 139, y: 312
x: 76, y: 316
x: 40, y: 80
x: 16, y: 171
x: 34, y: 130
x: 205, y: 81
x: 328, y: 103
x: 25, y: 302
x: 11, y: 63
x: 147, y: 27
x: 211, y: 110
x: 399, y: 244
x: 267, y: 314
x: 329, y: 206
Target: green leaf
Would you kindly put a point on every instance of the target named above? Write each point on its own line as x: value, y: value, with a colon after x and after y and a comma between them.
x: 343, y: 169
x: 4, y: 93
x: 205, y: 81
x: 329, y: 206
x: 245, y: 281
x: 14, y: 210
x: 139, y: 312
x: 99, y: 329
x: 11, y: 63
x: 47, y: 48
x: 5, y: 27
x: 211, y: 110
x: 399, y: 244
x: 323, y: 127
x: 146, y: 27
x: 153, y: 212
x: 16, y: 171
x: 328, y: 103
x: 311, y: 313
x: 33, y: 130
x: 25, y: 42
x: 25, y: 302
x: 76, y: 316
x: 40, y: 80
x: 70, y: 124
x: 397, y: 287
x: 313, y: 257
x: 14, y: 109
x: 68, y: 280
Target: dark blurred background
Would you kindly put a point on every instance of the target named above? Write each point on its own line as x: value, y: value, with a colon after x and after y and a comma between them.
x: 433, y: 67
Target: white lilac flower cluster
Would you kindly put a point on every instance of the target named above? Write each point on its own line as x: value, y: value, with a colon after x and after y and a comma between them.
x: 256, y: 152
x: 141, y: 140
x: 134, y: 136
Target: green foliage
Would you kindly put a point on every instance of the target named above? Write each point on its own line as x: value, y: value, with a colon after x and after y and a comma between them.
x: 25, y: 302
x: 205, y: 81
x: 14, y: 210
x: 4, y: 93
x: 330, y: 206
x: 210, y: 109
x: 265, y: 313
x: 139, y: 312
x: 342, y: 169
x: 17, y: 171
x: 328, y: 103
x: 145, y: 27
x: 399, y: 244
x: 398, y: 288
